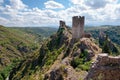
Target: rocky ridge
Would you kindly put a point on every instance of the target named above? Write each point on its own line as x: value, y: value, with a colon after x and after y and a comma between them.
x: 62, y: 68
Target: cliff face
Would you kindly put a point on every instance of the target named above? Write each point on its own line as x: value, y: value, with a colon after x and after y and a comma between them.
x: 105, y: 68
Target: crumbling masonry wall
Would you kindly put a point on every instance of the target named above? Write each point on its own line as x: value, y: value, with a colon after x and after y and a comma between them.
x: 105, y: 68
x: 77, y: 26
x: 105, y: 60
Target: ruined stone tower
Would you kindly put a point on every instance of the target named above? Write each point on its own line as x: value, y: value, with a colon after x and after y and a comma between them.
x: 62, y: 24
x: 77, y: 26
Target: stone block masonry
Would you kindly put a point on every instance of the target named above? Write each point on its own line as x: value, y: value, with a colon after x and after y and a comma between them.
x: 105, y: 68
x: 78, y: 26
x: 62, y: 24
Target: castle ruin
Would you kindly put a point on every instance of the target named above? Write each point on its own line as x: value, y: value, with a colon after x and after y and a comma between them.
x: 105, y: 68
x: 78, y: 26
x: 62, y: 24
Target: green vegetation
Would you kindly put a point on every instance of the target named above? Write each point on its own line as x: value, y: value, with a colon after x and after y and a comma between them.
x: 44, y: 59
x: 18, y: 43
x: 52, y: 56
x: 111, y: 41
x: 112, y: 31
x: 6, y: 70
x: 108, y: 46
x: 15, y: 45
x: 50, y: 53
x: 81, y: 62
x: 43, y: 32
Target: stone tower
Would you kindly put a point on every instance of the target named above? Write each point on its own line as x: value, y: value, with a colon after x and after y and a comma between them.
x: 62, y: 24
x: 77, y: 26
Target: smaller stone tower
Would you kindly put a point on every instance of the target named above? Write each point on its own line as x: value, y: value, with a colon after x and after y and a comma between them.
x: 78, y: 26
x: 62, y: 24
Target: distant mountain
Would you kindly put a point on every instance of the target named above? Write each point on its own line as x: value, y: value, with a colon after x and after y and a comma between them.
x: 43, y: 31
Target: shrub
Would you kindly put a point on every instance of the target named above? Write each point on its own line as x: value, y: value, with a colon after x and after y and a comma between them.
x: 81, y: 62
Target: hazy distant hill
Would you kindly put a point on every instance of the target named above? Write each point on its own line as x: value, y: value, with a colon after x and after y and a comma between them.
x: 43, y: 31
x: 112, y: 31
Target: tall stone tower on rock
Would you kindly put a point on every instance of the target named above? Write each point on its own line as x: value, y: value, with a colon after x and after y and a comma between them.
x: 78, y: 26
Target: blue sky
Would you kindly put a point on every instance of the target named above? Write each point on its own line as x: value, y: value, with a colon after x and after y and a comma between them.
x: 48, y: 12
x: 40, y: 3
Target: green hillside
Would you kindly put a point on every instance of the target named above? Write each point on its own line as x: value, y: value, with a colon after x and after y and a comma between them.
x: 113, y: 32
x: 15, y: 45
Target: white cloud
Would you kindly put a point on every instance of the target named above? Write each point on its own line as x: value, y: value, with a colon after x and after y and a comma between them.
x: 97, y: 10
x: 19, y: 14
x: 4, y: 21
x: 96, y: 3
x: 17, y: 4
x: 53, y: 5
x: 93, y: 3
x: 77, y: 1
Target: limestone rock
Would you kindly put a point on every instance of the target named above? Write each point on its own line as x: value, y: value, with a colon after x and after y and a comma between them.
x: 62, y: 73
x: 87, y: 43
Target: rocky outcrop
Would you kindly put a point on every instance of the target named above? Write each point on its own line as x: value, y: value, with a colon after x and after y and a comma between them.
x: 62, y: 73
x: 105, y: 68
x: 62, y: 69
x: 87, y: 43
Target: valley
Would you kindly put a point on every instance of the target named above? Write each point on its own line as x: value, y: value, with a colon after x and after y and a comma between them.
x: 22, y: 48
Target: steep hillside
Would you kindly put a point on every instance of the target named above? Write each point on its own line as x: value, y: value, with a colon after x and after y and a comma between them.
x: 15, y: 45
x: 112, y: 31
x: 61, y: 57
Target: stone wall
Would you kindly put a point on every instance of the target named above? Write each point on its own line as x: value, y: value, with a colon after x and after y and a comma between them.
x: 77, y: 26
x: 62, y: 24
x: 105, y: 68
x: 105, y: 60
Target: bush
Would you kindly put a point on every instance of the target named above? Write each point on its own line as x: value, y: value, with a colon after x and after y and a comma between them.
x: 81, y: 62
x: 75, y: 62
x: 85, y: 66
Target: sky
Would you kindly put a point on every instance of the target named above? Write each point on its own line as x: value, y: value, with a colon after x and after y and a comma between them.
x: 21, y: 13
